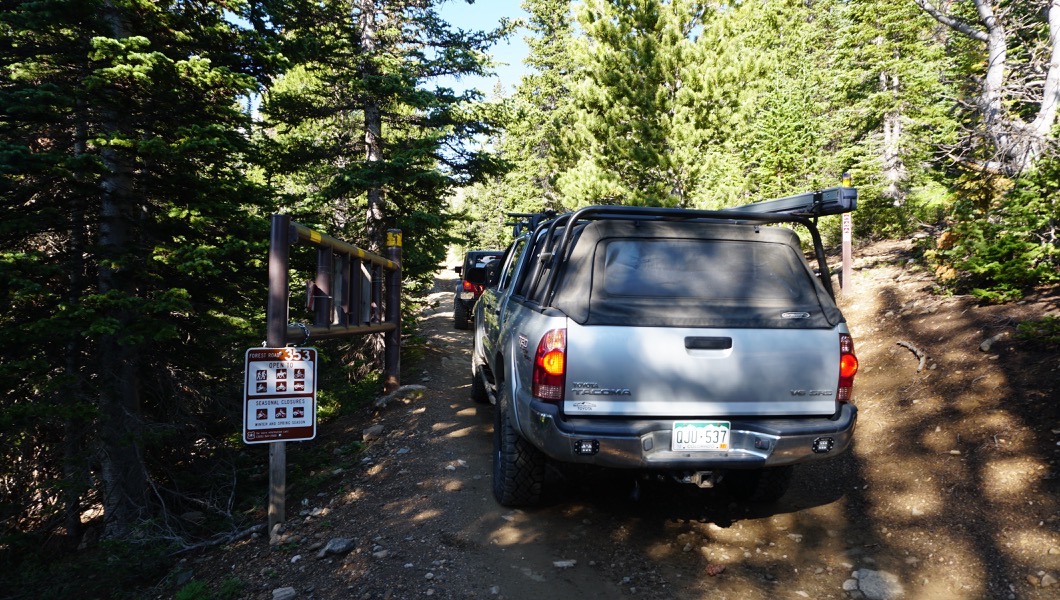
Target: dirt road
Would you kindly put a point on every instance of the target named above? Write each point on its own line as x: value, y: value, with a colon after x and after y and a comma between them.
x: 950, y: 492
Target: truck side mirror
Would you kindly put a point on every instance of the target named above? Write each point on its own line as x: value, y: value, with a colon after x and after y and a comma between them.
x: 458, y: 269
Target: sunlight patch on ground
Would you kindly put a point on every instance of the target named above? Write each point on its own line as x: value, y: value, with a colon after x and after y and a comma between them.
x: 426, y: 515
x: 920, y: 502
x: 1008, y: 480
x: 1031, y: 542
x: 510, y: 534
x: 464, y: 432
x: 660, y: 551
x: 354, y: 495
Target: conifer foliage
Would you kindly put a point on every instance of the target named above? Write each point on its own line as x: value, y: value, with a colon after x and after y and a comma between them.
x: 127, y: 265
x: 363, y: 136
x: 144, y: 144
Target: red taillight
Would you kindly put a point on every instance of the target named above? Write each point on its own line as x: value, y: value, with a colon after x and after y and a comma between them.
x: 550, y: 366
x: 848, y: 367
x: 469, y: 287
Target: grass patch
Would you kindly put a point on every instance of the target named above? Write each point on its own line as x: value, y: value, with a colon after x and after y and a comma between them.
x: 1044, y: 332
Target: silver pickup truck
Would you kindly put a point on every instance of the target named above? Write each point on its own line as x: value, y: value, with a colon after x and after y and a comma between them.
x: 697, y: 345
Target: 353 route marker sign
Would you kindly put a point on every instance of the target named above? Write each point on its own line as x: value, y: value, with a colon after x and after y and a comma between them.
x: 280, y: 395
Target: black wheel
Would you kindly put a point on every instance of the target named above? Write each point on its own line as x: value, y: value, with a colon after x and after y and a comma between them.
x: 478, y: 387
x: 518, y: 467
x: 460, y: 314
x: 760, y: 486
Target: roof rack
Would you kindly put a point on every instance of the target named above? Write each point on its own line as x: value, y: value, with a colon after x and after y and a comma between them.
x: 800, y: 208
x: 528, y: 221
x: 830, y: 201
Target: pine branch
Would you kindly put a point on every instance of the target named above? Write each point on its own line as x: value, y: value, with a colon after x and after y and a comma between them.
x: 951, y: 22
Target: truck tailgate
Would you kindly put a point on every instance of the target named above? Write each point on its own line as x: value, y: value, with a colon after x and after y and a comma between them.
x: 691, y: 372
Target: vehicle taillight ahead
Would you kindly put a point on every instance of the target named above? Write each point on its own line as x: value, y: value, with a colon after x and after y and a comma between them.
x: 470, y: 287
x: 848, y: 367
x: 550, y: 366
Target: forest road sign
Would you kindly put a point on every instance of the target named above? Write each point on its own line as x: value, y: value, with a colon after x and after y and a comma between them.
x: 280, y: 395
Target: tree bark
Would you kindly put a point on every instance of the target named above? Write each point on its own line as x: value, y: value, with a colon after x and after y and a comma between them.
x: 894, y: 171
x: 1046, y: 118
x: 1017, y: 144
x: 123, y: 472
x: 373, y: 120
x: 75, y: 472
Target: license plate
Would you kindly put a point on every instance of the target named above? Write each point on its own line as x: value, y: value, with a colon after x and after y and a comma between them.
x: 466, y: 295
x: 700, y: 435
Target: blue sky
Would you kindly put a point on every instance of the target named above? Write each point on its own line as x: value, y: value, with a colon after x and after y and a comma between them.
x: 481, y: 16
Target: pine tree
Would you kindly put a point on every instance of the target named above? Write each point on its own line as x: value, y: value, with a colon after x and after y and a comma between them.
x: 895, y: 113
x: 361, y: 125
x: 664, y: 89
x: 1009, y: 47
x: 125, y: 240
x: 543, y: 109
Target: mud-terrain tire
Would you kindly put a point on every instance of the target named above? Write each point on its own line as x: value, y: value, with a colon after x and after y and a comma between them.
x: 460, y: 314
x: 479, y: 394
x: 760, y: 486
x: 518, y: 467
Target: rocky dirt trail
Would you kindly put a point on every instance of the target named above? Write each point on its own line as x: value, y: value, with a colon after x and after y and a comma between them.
x: 950, y: 491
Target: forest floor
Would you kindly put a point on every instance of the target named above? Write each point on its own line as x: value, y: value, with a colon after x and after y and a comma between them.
x: 950, y: 490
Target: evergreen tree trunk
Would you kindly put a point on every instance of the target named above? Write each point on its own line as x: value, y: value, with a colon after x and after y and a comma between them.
x: 124, y: 477
x: 894, y: 171
x: 123, y: 471
x: 74, y: 427
x: 373, y: 121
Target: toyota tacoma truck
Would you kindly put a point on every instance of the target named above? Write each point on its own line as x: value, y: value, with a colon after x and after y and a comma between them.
x: 695, y: 345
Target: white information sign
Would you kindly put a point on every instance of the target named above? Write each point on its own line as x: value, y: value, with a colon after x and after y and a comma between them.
x: 280, y: 395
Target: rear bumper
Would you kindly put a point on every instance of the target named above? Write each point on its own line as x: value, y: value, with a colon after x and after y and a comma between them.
x: 468, y: 302
x: 645, y: 443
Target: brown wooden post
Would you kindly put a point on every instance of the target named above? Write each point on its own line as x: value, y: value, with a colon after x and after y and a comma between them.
x: 342, y: 291
x: 846, y: 286
x: 356, y: 292
x: 378, y: 276
x: 392, y: 339
x: 324, y: 289
x: 276, y: 337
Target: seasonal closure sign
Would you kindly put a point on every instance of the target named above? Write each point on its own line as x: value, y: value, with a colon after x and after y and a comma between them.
x: 280, y: 395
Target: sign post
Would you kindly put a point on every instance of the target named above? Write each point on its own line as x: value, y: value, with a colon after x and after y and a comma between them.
x: 848, y: 227
x: 845, y: 283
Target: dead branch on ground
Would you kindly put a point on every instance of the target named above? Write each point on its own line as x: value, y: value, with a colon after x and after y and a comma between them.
x: 917, y: 351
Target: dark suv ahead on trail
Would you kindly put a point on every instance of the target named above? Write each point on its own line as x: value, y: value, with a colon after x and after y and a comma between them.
x: 466, y: 292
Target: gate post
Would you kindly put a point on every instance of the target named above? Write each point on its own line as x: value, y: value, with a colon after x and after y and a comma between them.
x: 276, y: 337
x: 392, y: 338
